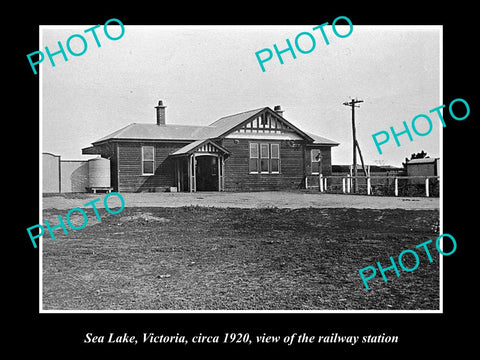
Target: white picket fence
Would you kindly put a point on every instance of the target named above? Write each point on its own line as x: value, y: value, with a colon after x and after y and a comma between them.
x: 324, y: 183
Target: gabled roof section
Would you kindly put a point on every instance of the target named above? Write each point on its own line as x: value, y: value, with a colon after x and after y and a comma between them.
x: 158, y: 132
x: 228, y: 124
x: 203, y: 145
x: 218, y: 129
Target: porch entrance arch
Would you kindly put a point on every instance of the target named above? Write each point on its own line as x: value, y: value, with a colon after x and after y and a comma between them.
x: 199, y: 166
x: 207, y: 173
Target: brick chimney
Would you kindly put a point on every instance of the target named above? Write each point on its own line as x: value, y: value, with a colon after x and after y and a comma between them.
x: 278, y: 110
x: 160, y: 113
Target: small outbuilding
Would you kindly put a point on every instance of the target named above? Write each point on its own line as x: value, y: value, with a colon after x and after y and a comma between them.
x: 71, y: 176
x: 423, y: 167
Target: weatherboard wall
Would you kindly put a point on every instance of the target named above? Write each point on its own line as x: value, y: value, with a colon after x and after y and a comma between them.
x: 129, y: 167
x: 238, y: 177
x: 126, y: 165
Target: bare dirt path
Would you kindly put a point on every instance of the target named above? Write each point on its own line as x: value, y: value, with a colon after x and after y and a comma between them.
x: 279, y: 199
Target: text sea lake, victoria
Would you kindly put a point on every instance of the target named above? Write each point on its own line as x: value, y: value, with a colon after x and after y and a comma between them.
x: 238, y: 338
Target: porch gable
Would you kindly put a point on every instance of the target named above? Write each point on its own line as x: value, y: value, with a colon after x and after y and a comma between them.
x: 204, y: 146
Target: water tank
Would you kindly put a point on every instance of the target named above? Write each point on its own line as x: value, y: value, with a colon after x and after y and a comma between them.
x: 99, y: 172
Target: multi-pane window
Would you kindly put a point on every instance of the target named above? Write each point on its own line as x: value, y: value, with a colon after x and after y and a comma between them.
x: 264, y: 158
x: 316, y: 157
x: 148, y: 162
x: 275, y: 158
x: 253, y: 161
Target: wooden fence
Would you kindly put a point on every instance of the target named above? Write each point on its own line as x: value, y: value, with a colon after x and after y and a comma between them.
x: 377, y: 185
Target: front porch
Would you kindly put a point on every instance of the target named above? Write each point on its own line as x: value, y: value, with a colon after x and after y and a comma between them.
x: 200, y: 166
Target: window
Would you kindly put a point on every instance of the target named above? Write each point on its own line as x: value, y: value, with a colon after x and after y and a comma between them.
x: 148, y: 162
x: 275, y: 158
x: 264, y: 158
x: 316, y: 157
x: 253, y: 161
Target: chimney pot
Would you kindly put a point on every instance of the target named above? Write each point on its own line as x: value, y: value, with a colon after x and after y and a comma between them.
x: 160, y: 113
x: 278, y: 110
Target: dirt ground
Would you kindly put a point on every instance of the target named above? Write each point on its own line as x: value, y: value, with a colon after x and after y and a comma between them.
x: 290, y: 200
x: 197, y: 258
x: 237, y: 251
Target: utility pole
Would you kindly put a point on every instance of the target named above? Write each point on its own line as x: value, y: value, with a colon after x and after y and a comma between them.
x: 355, y: 144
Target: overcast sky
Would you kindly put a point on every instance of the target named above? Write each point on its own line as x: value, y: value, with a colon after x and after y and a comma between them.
x: 204, y: 73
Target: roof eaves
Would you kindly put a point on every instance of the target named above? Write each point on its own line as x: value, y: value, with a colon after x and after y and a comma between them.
x: 320, y: 140
x: 113, y: 134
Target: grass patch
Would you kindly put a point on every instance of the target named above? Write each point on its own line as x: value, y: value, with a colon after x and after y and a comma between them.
x: 247, y: 259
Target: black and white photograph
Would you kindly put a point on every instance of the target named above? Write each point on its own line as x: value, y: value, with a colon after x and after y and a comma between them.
x: 242, y: 188
x: 244, y: 185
